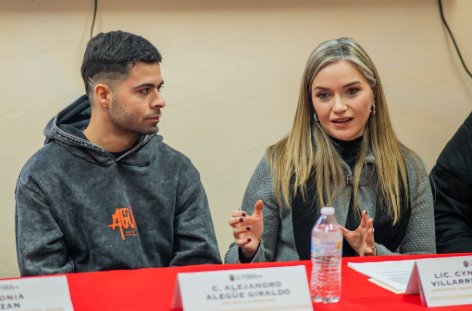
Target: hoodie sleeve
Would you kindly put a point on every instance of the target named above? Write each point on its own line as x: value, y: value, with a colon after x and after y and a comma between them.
x: 40, y: 242
x: 194, y: 235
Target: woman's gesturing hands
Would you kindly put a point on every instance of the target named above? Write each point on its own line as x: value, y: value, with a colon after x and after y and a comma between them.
x: 362, y: 239
x: 247, y: 229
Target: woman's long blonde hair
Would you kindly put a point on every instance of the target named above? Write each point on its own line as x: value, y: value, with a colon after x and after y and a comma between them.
x: 295, y: 158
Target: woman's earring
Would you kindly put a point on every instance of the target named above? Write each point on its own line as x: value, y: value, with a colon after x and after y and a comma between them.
x: 373, y: 110
x: 315, y: 117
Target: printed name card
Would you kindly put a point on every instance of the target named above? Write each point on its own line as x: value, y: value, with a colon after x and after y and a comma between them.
x: 442, y: 281
x: 279, y: 288
x: 38, y: 294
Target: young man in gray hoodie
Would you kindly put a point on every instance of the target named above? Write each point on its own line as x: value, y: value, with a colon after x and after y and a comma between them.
x: 105, y: 192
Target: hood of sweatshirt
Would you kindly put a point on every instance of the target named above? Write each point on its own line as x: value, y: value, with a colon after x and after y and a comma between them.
x: 66, y: 130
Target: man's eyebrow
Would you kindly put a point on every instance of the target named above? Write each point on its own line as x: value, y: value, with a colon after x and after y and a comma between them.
x: 152, y: 85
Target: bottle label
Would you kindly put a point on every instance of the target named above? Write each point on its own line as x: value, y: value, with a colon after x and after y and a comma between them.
x: 326, y: 248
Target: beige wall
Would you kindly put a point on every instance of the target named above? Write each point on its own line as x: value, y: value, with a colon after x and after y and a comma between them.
x: 232, y: 70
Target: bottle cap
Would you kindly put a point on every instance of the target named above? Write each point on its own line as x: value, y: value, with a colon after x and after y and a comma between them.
x: 327, y: 210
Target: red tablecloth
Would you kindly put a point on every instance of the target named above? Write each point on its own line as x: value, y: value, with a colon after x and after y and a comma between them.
x: 152, y: 289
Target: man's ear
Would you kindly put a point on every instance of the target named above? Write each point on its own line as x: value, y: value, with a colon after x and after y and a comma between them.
x: 103, y: 95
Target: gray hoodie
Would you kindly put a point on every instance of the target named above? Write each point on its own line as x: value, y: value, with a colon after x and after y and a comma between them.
x: 79, y: 208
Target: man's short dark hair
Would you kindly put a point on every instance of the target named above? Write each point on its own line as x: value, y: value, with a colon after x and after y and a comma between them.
x: 112, y: 54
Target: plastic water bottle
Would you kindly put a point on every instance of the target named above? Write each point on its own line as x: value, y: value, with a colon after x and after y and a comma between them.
x: 326, y: 257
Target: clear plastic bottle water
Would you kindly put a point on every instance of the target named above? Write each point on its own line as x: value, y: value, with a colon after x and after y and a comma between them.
x: 326, y: 257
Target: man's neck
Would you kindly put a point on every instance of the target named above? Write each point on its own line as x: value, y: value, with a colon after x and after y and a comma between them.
x: 109, y: 140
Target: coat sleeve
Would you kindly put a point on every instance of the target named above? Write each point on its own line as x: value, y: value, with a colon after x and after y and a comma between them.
x: 40, y: 244
x: 194, y: 234
x: 452, y: 181
x: 260, y: 187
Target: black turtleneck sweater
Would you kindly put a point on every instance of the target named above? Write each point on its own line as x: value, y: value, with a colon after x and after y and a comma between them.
x: 348, y: 150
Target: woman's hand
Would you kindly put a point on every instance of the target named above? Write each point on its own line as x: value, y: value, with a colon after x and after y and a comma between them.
x: 362, y: 239
x: 247, y: 229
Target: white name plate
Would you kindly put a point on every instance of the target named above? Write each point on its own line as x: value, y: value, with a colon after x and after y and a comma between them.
x: 442, y: 281
x: 38, y: 294
x: 278, y: 288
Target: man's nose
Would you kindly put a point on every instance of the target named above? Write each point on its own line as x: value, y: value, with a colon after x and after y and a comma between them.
x: 158, y: 101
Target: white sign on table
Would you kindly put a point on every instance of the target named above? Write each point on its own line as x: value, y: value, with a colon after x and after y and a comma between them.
x: 38, y: 294
x: 445, y: 281
x: 280, y: 288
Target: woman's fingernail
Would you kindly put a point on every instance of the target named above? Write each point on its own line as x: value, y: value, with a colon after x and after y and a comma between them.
x: 249, y: 240
x: 244, y: 214
x: 241, y: 219
x: 248, y: 228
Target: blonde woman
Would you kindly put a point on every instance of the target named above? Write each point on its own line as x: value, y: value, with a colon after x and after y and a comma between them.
x: 342, y: 152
